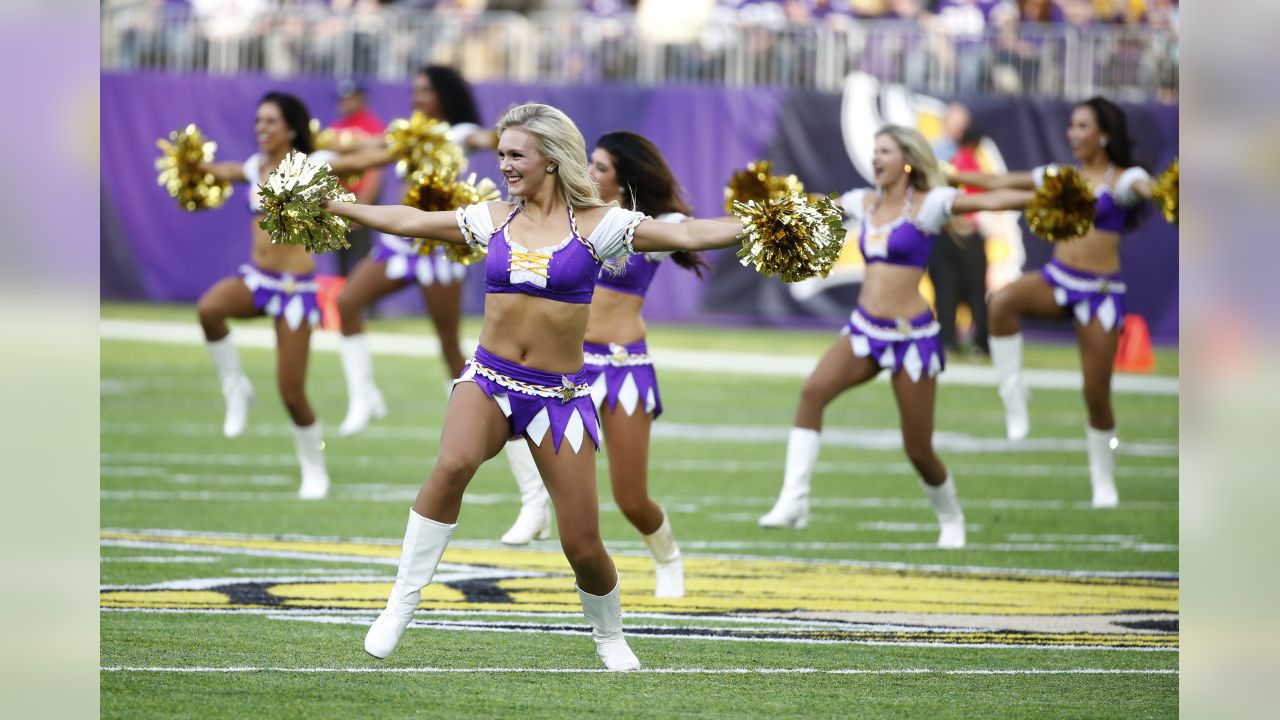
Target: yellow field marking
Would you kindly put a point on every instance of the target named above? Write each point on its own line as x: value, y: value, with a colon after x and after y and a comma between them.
x: 714, y: 585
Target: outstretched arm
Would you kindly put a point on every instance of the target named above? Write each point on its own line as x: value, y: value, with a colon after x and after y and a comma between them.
x: 693, y: 235
x: 481, y: 140
x: 1143, y: 188
x: 402, y: 220
x: 225, y: 171
x: 986, y: 181
x: 994, y: 200
x: 361, y: 159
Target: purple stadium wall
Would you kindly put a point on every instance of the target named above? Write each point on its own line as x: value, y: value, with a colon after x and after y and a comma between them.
x: 153, y: 251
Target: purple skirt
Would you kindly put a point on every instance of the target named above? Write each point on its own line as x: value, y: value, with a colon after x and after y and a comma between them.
x: 1087, y: 294
x: 292, y: 297
x: 622, y: 373
x: 536, y: 401
x: 404, y: 262
x: 898, y: 345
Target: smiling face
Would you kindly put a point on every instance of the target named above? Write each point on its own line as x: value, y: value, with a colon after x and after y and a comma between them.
x: 888, y: 161
x: 271, y: 130
x: 604, y: 174
x: 522, y: 164
x: 1084, y: 135
x: 425, y: 99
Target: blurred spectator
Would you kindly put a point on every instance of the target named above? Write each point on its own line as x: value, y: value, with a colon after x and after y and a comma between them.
x: 944, y: 47
x: 356, y: 118
x: 870, y: 9
x: 146, y: 39
x: 894, y: 51
x: 967, y: 23
x: 1163, y: 15
x: 958, y: 264
x: 1077, y: 12
x: 1023, y: 51
x: 955, y: 122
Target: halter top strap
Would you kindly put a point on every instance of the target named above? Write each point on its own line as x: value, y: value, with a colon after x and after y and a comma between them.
x: 510, y: 216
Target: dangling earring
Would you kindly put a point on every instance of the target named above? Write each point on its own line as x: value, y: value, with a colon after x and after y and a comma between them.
x: 1103, y: 142
x: 550, y: 169
x: 907, y: 168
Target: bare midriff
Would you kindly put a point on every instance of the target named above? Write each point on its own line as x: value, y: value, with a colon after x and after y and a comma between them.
x: 535, y: 332
x: 615, y: 318
x: 1098, y: 252
x: 892, y: 291
x: 292, y: 259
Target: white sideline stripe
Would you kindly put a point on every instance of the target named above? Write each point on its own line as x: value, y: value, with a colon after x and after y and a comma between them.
x: 1011, y: 547
x: 426, y: 616
x: 858, y: 439
x: 1026, y: 471
x: 650, y: 671
x: 256, y: 552
x: 160, y: 559
x: 585, y: 630
x: 891, y: 439
x: 674, y: 504
x: 924, y: 546
x: 433, y: 618
x: 734, y: 363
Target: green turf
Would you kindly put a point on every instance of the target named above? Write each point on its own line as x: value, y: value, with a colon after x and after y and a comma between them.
x: 807, y: 343
x: 161, y: 420
x: 256, y: 642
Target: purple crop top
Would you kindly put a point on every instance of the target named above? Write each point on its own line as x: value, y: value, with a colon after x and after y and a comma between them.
x: 565, y: 272
x: 907, y: 240
x: 1115, y: 202
x: 640, y: 269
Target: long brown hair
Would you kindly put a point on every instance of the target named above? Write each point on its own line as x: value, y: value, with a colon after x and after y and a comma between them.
x: 1113, y: 124
x: 647, y: 184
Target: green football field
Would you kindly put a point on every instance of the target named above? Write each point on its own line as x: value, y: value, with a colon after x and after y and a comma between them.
x: 222, y: 595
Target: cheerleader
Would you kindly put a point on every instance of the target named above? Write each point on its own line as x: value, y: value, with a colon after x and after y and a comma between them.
x: 526, y: 380
x: 892, y: 328
x: 627, y: 168
x: 439, y: 93
x: 1082, y: 281
x: 278, y: 282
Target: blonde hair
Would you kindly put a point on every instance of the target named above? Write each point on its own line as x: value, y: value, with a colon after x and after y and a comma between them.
x: 560, y: 141
x: 925, y: 173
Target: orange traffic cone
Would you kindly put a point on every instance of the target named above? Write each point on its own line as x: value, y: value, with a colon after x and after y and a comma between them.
x: 328, y: 287
x: 1133, y: 352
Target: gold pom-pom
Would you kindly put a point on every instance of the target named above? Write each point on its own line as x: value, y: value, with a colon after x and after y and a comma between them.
x: 436, y: 190
x: 1165, y: 192
x: 794, y: 237
x: 327, y: 138
x: 422, y: 143
x: 293, y: 199
x: 182, y: 154
x: 756, y: 183
x: 1063, y: 207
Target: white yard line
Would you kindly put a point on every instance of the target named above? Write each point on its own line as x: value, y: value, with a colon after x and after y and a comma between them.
x: 646, y: 671
x: 719, y: 362
x: 673, y: 503
x: 735, y: 545
x: 693, y: 633
x: 888, y: 439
